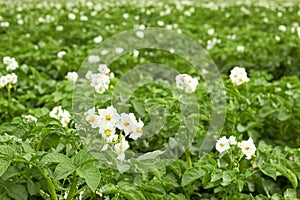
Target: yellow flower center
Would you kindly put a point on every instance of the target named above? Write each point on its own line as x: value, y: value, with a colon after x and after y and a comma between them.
x: 222, y: 144
x: 121, y: 147
x: 126, y: 123
x: 1, y: 87
x: 107, y: 132
x: 247, y: 148
x: 91, y: 119
x: 100, y: 88
x: 107, y: 117
x: 139, y: 130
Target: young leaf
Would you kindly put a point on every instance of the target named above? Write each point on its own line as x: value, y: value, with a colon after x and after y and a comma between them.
x: 91, y: 175
x: 191, y: 175
x: 63, y: 170
x: 4, y: 164
x: 54, y: 158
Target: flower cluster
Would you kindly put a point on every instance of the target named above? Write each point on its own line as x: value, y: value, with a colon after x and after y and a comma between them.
x: 108, y: 120
x: 247, y: 146
x: 11, y: 63
x: 8, y: 79
x: 61, y: 114
x: 238, y: 76
x: 186, y: 82
x: 100, y: 81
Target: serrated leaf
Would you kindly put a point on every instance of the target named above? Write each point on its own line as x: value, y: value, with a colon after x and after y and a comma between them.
x: 91, y: 175
x: 190, y: 175
x: 63, y: 170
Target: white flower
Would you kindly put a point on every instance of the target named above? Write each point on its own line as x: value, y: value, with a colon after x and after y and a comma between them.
x: 98, y: 39
x: 238, y: 76
x: 4, y: 24
x: 120, y: 148
x: 248, y: 148
x: 93, y: 118
x: 136, y: 127
x: 60, y: 114
x: 3, y: 81
x: 103, y: 69
x: 99, y: 81
x: 282, y: 28
x: 125, y: 15
x: 61, y: 54
x: 71, y: 16
x: 30, y: 118
x: 119, y: 50
x: 11, y: 63
x: 7, y: 60
x: 232, y: 140
x: 109, y: 115
x: 160, y: 23
x: 210, y: 31
x: 140, y: 34
x: 107, y: 130
x: 126, y: 122
x: 240, y: 48
x: 135, y: 53
x: 12, y: 66
x: 72, y: 76
x: 277, y: 38
x: 93, y: 59
x: 222, y: 144
x: 59, y: 28
x: 84, y: 18
x: 12, y: 78
x: 186, y: 82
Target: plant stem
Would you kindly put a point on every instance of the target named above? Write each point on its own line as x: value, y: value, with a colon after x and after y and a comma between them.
x: 188, y: 157
x: 73, y: 188
x: 8, y: 91
x: 49, y: 182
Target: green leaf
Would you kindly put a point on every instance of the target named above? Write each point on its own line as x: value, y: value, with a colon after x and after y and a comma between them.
x: 158, y: 189
x: 268, y: 170
x: 109, y: 189
x: 227, y: 177
x: 138, y: 107
x: 4, y: 164
x: 33, y: 188
x: 287, y: 173
x: 82, y: 157
x: 133, y: 194
x: 54, y: 158
x: 91, y: 175
x: 63, y: 170
x: 290, y: 193
x: 7, y: 151
x: 191, y: 175
x: 18, y: 192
